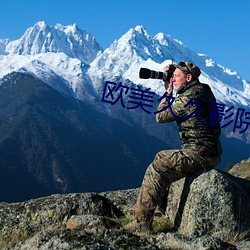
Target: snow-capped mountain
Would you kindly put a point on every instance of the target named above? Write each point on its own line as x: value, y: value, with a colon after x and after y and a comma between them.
x: 137, y: 49
x: 73, y: 55
x: 63, y: 73
x: 41, y: 38
x: 50, y: 141
x: 57, y: 55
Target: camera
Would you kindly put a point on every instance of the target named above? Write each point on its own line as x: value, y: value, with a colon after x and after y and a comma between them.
x: 145, y: 73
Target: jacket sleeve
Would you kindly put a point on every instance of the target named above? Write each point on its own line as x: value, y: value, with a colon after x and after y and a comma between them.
x: 165, y: 115
x: 178, y: 109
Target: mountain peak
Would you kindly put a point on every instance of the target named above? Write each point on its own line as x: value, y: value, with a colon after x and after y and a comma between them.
x: 139, y: 42
x: 41, y: 24
x: 140, y: 29
x: 69, y: 28
x: 42, y: 38
x: 134, y: 46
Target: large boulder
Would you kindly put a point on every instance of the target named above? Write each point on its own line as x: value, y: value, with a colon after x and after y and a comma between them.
x: 210, y: 202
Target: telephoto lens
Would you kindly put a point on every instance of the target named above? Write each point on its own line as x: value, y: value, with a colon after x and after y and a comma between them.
x: 147, y: 73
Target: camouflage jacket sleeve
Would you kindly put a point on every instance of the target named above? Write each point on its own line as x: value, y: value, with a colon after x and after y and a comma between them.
x: 175, y: 110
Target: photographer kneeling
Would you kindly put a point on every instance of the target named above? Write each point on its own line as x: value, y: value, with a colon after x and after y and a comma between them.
x: 200, y: 149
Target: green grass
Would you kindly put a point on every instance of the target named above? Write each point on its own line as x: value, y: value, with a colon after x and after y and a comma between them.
x: 160, y: 223
x: 123, y: 220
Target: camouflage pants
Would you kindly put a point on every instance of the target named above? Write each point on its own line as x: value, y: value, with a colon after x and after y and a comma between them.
x: 167, y: 167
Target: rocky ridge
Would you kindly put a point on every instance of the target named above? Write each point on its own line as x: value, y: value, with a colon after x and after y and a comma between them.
x: 207, y: 211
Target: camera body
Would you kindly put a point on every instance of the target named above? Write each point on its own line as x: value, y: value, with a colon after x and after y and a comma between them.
x: 146, y: 73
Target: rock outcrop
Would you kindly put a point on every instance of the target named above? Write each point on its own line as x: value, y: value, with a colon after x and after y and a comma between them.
x: 211, y: 202
x: 209, y: 210
x: 241, y: 169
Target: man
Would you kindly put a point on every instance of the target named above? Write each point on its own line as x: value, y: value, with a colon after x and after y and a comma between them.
x: 200, y: 149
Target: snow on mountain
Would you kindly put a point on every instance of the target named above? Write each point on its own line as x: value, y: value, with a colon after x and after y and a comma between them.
x: 132, y: 49
x: 57, y: 55
x: 3, y: 43
x: 42, y: 38
x: 137, y: 49
x: 63, y: 73
x: 71, y: 55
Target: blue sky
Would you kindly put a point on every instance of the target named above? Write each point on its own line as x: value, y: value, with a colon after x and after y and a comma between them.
x: 218, y: 28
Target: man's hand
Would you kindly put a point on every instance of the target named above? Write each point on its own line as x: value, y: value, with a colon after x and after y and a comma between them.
x: 168, y: 85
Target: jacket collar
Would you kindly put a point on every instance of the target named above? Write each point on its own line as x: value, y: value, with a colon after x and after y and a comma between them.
x: 187, y: 85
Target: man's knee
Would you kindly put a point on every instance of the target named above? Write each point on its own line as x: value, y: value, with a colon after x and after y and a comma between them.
x: 162, y: 160
x: 163, y: 154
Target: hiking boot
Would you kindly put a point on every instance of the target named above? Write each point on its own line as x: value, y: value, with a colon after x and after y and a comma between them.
x: 140, y: 227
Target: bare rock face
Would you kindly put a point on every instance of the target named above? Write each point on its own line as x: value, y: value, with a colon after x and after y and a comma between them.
x: 209, y: 210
